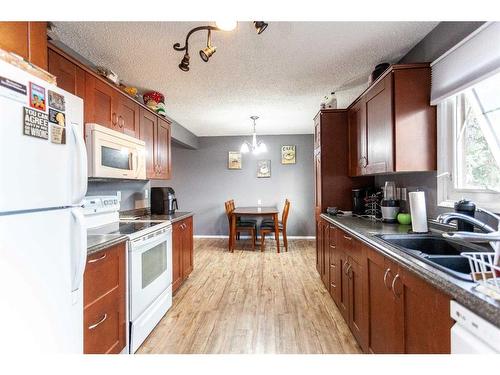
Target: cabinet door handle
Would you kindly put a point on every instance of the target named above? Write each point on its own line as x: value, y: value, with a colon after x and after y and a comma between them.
x: 114, y: 120
x: 347, y: 237
x: 363, y: 162
x: 97, y: 259
x: 349, y: 274
x: 99, y: 322
x: 387, y: 271
x: 121, y: 122
x: 393, y: 285
x: 346, y: 270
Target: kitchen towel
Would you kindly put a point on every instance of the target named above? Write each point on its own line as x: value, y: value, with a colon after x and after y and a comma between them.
x: 418, y: 212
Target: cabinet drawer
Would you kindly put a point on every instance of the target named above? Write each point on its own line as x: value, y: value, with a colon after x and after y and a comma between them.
x: 102, y: 273
x: 103, y: 330
x: 351, y: 246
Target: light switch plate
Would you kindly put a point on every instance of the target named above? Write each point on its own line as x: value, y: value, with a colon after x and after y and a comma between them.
x: 119, y: 195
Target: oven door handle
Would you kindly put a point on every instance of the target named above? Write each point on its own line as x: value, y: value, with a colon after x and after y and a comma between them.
x: 139, y: 244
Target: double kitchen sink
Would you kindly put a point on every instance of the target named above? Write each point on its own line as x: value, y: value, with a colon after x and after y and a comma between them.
x: 437, y: 251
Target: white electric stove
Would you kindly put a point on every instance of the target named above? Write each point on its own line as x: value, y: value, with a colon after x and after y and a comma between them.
x: 149, y: 263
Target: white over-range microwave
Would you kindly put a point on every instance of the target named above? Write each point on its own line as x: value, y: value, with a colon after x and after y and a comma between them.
x: 112, y: 154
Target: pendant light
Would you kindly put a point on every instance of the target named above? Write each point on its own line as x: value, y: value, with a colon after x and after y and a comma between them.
x: 256, y: 147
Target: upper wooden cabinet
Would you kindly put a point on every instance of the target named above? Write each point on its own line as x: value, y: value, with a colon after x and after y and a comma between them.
x: 108, y: 107
x: 379, y: 124
x: 157, y: 135
x: 99, y: 103
x: 70, y: 77
x: 357, y: 138
x: 163, y: 149
x: 148, y: 125
x: 26, y: 39
x: 392, y: 126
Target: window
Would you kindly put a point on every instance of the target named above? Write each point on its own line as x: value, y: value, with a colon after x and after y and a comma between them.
x: 469, y: 145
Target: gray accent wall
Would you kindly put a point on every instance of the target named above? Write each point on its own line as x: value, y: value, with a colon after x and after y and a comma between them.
x: 203, y: 182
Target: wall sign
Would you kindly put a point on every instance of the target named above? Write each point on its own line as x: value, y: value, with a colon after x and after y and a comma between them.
x: 288, y: 154
x: 263, y: 168
x: 234, y: 160
x: 36, y: 123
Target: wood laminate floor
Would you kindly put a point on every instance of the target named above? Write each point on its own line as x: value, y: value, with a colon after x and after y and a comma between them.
x: 252, y: 302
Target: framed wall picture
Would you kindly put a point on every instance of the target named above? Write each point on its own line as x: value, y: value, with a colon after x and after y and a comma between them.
x: 288, y: 154
x: 234, y: 160
x: 263, y: 168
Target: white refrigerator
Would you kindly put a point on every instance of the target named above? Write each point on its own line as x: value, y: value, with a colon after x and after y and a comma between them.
x: 43, y: 239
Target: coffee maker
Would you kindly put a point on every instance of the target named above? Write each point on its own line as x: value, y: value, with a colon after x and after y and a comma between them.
x: 163, y: 201
x: 358, y: 201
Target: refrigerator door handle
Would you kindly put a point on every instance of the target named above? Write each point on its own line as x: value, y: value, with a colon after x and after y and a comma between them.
x: 81, y: 160
x: 79, y: 253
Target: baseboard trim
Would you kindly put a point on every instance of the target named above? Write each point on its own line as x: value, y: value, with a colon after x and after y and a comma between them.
x: 246, y: 237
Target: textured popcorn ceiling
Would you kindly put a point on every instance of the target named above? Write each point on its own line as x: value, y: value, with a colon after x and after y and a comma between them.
x: 280, y: 75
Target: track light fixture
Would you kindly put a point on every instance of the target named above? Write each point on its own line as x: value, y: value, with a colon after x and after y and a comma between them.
x: 184, y: 65
x: 209, y: 50
x: 260, y: 26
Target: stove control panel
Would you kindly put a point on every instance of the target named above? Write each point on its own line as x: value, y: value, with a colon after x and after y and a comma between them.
x: 100, y: 204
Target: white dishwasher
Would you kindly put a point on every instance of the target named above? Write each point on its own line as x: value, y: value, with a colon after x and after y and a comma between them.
x: 471, y: 333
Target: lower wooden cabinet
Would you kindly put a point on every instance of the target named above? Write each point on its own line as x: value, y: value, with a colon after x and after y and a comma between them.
x: 104, y: 301
x: 388, y: 308
x: 182, y: 251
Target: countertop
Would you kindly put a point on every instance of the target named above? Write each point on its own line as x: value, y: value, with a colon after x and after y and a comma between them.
x: 145, y: 214
x: 98, y: 242
x: 461, y: 291
x: 106, y: 236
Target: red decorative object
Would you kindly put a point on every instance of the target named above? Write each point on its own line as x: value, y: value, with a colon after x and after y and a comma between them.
x: 153, y: 95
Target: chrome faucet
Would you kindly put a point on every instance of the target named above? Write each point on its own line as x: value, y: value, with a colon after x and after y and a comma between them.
x: 490, y: 234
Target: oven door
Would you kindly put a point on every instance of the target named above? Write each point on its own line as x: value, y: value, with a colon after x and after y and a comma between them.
x: 150, y: 270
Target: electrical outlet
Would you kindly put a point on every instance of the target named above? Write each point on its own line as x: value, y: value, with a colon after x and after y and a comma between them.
x: 259, y: 202
x: 146, y: 194
x: 119, y: 195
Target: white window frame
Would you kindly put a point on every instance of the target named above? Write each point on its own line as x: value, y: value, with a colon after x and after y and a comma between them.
x: 447, y: 194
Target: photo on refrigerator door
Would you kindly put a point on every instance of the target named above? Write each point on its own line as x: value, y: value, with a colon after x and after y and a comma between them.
x: 37, y: 97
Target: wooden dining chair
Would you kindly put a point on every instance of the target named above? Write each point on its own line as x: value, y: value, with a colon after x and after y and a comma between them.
x: 241, y: 226
x: 239, y: 220
x: 267, y: 226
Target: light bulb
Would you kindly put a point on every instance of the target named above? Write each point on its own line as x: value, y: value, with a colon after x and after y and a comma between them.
x: 226, y: 25
x: 262, y: 147
x: 244, y: 148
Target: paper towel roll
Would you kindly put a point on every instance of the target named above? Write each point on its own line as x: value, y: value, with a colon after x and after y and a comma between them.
x: 418, y: 212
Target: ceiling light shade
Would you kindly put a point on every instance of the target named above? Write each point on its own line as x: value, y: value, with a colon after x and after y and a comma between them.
x: 207, y: 52
x: 244, y: 148
x: 256, y: 147
x: 226, y: 25
x: 184, y: 65
x: 260, y: 26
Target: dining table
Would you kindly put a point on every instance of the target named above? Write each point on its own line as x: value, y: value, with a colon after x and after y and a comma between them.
x: 258, y: 211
